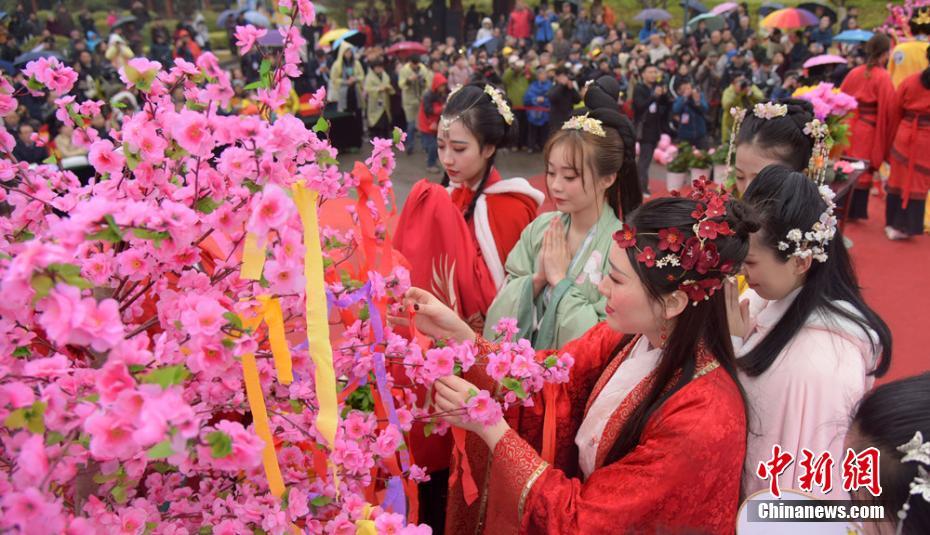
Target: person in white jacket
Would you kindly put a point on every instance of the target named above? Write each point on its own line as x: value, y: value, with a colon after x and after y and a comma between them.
x: 807, y: 344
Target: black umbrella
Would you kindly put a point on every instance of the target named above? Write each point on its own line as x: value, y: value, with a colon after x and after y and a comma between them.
x: 123, y: 21
x: 23, y: 59
x: 828, y: 10
x: 769, y: 7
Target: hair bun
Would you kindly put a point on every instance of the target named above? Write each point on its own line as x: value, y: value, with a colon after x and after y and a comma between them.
x: 743, y: 220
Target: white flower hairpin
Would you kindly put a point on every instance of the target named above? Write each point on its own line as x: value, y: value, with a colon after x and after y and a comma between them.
x: 502, y: 107
x: 770, y: 110
x: 915, y: 451
x: 585, y: 124
x: 814, y: 242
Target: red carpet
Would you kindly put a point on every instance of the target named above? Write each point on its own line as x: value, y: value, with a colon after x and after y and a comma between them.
x: 895, y: 279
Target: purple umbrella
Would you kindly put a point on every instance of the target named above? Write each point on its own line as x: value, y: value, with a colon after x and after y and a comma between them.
x: 823, y: 59
x: 725, y: 7
x: 271, y: 39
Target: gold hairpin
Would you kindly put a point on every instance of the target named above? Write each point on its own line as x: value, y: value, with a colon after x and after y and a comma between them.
x: 585, y: 124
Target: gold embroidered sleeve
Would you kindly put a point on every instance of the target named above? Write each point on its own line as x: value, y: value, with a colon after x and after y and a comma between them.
x: 515, y: 468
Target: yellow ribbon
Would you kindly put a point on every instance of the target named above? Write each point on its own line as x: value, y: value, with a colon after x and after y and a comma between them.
x: 364, y: 526
x: 253, y: 391
x: 321, y: 350
x: 274, y: 318
x: 253, y: 258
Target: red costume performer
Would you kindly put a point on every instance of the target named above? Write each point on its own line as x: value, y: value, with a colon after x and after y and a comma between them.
x: 683, y: 476
x: 874, y: 92
x: 909, y: 123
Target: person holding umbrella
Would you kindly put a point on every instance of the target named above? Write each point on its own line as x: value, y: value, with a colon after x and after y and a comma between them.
x: 345, y: 90
x: 378, y: 91
x: 414, y: 79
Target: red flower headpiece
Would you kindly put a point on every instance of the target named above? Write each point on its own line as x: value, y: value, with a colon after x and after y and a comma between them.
x: 696, y: 254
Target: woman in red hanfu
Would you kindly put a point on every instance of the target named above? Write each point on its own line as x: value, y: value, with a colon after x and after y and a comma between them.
x: 457, y: 238
x: 909, y: 181
x: 872, y: 87
x: 650, y: 431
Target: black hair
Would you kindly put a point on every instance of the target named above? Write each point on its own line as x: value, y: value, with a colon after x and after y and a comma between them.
x: 888, y: 417
x: 481, y: 117
x: 786, y: 200
x: 601, y: 98
x: 701, y: 326
x: 782, y: 137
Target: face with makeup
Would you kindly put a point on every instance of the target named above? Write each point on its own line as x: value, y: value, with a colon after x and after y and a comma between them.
x: 630, y: 308
x: 750, y: 161
x: 569, y: 181
x: 463, y: 158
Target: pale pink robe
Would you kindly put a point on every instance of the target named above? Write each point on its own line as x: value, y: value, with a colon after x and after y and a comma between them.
x: 635, y: 367
x: 806, y: 398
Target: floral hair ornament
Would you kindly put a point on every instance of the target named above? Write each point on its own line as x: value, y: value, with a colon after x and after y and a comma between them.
x: 690, y: 255
x: 739, y: 115
x: 820, y: 133
x: 915, y: 451
x: 585, y: 124
x: 814, y: 242
x: 770, y: 110
x: 502, y: 107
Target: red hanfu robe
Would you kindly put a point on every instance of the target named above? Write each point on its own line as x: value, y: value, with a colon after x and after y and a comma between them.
x: 868, y: 127
x: 450, y: 257
x: 909, y: 122
x: 683, y: 476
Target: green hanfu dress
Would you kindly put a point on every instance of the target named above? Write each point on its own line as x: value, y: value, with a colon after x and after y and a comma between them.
x: 562, y: 313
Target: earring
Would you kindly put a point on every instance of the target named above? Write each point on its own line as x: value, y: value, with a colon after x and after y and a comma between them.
x: 663, y: 336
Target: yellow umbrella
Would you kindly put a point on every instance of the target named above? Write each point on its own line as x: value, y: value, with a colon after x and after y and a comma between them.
x: 332, y: 35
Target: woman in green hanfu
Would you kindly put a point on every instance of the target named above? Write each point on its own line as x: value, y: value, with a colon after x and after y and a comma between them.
x: 554, y: 270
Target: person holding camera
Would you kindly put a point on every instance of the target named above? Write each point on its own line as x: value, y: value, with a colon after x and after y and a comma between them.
x: 651, y: 105
x: 562, y: 98
x: 690, y: 109
x: 740, y: 94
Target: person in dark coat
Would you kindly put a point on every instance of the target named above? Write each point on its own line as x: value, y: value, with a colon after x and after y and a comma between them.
x: 562, y: 98
x: 651, y: 106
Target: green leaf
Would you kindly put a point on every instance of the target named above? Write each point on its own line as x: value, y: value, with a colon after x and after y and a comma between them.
x: 264, y: 72
x: 258, y: 84
x: 132, y: 159
x: 220, y: 444
x: 233, y: 320
x: 228, y: 343
x: 550, y: 361
x: 149, y: 528
x: 42, y: 284
x: 514, y: 386
x: 111, y: 224
x: 136, y: 368
x: 205, y: 530
x: 364, y: 313
x: 119, y: 493
x: 51, y: 160
x: 428, y: 428
x: 16, y: 419
x: 162, y: 467
x: 23, y: 235
x: 396, y: 135
x: 322, y: 125
x: 161, y: 450
x: 106, y: 234
x: 296, y: 406
x: 206, y: 205
x: 167, y: 375
x: 64, y: 269
x: 118, y: 104
x: 320, y: 501
x: 251, y: 185
x: 155, y: 235
x: 53, y: 437
x: 22, y: 352
x: 284, y: 10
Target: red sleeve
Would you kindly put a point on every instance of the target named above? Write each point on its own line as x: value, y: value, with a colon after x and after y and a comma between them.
x: 893, y: 118
x: 884, y: 136
x: 693, y: 446
x: 508, y: 215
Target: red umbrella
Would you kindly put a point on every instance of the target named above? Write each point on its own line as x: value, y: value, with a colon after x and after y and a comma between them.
x: 407, y: 48
x: 789, y: 19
